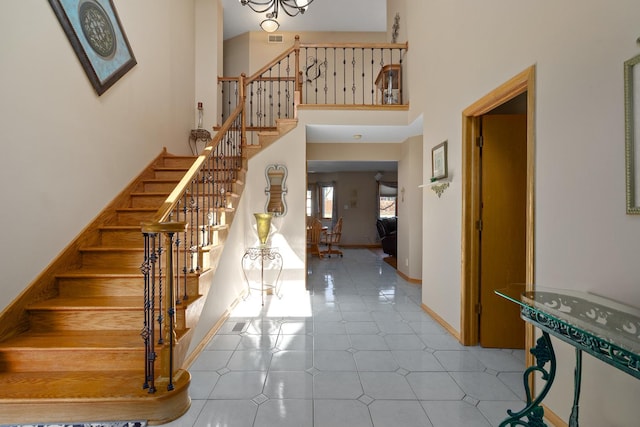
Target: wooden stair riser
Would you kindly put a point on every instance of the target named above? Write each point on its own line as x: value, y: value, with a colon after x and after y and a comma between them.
x: 86, y: 287
x: 74, y: 359
x: 170, y: 173
x: 178, y: 161
x: 42, y: 321
x: 122, y: 237
x: 148, y: 200
x: 129, y: 258
x: 133, y: 216
x: 133, y: 238
x: 159, y: 186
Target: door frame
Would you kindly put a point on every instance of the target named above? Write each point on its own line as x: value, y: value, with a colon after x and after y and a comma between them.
x: 470, y: 295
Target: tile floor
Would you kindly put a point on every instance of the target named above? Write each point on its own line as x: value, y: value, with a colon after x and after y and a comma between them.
x: 353, y: 349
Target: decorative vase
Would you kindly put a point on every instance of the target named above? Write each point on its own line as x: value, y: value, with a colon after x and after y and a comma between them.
x: 263, y: 223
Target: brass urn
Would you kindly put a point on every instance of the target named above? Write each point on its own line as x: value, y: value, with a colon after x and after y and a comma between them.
x: 263, y: 223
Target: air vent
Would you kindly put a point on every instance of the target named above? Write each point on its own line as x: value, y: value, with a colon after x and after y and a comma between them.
x: 276, y: 38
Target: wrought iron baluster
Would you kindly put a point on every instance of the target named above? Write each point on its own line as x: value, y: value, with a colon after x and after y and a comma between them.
x: 373, y: 77
x: 362, y: 61
x: 171, y: 312
x: 148, y: 327
x: 158, y: 271
x: 344, y: 75
x: 353, y: 75
x: 287, y: 92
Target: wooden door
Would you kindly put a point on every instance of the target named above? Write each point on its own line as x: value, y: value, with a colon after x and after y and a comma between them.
x: 503, y: 227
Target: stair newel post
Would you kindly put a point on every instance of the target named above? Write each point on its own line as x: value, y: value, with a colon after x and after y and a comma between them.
x: 152, y: 266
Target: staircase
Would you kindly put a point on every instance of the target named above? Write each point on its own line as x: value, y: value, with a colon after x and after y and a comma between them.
x: 74, y: 352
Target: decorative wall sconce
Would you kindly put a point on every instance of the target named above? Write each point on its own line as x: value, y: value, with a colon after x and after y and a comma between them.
x: 438, y: 187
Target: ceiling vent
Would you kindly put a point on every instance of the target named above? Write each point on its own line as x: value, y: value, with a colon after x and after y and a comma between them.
x: 276, y: 38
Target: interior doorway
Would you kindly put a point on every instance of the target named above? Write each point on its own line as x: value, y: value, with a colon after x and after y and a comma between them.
x: 521, y: 86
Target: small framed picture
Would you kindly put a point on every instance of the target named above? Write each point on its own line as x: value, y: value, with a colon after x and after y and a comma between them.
x: 439, y: 161
x: 96, y: 35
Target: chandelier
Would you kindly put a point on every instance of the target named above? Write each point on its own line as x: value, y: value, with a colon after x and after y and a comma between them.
x: 290, y: 7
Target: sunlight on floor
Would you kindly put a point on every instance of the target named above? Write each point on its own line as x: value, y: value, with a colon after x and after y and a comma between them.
x: 294, y: 301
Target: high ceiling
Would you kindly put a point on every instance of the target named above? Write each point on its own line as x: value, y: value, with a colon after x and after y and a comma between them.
x: 330, y: 15
x: 322, y: 15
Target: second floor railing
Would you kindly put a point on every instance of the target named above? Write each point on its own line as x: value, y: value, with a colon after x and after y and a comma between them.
x: 341, y: 75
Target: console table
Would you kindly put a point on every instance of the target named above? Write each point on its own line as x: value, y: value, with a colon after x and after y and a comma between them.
x: 607, y: 330
x: 265, y: 256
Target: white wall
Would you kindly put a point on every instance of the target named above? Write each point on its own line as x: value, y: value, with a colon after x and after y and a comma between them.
x: 288, y: 231
x: 68, y: 152
x: 583, y: 239
x: 410, y: 170
x: 208, y: 59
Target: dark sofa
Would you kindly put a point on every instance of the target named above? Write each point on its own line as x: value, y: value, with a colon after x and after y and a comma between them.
x: 387, y: 231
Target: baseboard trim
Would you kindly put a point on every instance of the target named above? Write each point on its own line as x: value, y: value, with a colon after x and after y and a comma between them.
x: 361, y: 246
x: 212, y: 332
x: 442, y: 322
x: 409, y: 279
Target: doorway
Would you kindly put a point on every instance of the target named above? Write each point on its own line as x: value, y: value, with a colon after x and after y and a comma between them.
x: 523, y: 85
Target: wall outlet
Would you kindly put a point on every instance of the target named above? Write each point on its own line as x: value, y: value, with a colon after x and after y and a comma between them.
x: 406, y: 262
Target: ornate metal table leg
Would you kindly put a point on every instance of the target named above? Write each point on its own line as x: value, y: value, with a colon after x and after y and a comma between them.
x: 533, y: 412
x: 577, y: 380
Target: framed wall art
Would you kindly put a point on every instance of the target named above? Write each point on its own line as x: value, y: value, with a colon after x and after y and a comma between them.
x: 439, y: 161
x: 96, y: 34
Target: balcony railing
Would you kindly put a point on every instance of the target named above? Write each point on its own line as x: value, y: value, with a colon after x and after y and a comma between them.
x: 336, y: 74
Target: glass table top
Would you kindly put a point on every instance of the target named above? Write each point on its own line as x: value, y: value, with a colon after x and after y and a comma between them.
x: 591, y: 314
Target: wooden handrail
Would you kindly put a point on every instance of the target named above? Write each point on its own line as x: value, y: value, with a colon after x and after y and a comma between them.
x: 404, y: 45
x: 167, y: 207
x: 278, y: 58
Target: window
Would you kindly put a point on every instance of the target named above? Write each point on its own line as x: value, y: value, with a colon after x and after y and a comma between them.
x: 309, y: 202
x: 326, y: 201
x: 387, y: 199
